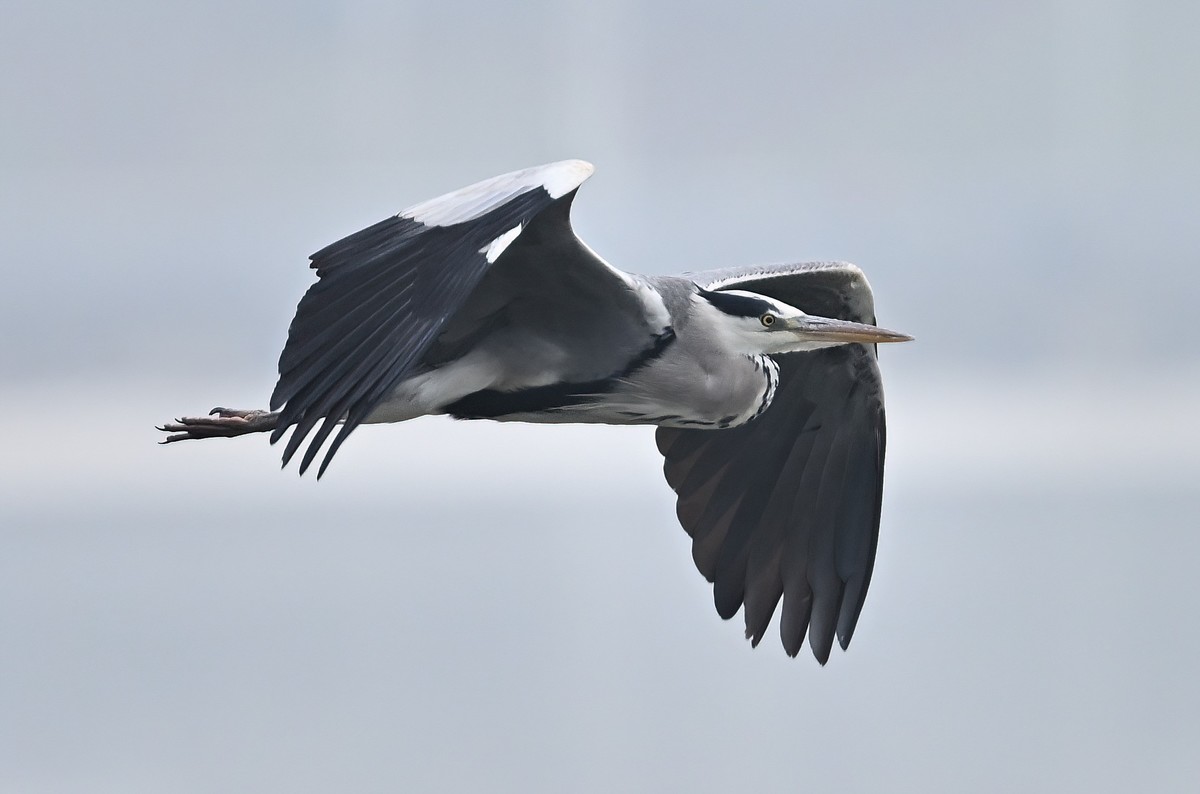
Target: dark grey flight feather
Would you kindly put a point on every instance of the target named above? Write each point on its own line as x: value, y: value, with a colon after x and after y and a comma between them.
x: 789, y: 504
x: 383, y: 296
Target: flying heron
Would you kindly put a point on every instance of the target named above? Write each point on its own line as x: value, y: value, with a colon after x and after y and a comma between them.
x: 483, y: 304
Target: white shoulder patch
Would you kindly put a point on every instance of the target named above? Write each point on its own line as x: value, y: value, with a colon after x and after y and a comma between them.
x: 468, y: 203
x: 493, y: 250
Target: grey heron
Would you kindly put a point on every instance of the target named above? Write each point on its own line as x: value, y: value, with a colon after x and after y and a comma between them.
x: 483, y: 304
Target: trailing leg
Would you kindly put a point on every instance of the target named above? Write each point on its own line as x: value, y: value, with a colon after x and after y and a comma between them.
x: 220, y: 423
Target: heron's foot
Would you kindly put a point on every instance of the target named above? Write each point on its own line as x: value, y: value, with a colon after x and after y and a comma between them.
x: 220, y: 423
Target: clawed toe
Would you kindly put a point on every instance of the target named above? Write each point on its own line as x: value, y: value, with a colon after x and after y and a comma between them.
x: 232, y: 413
x: 220, y: 423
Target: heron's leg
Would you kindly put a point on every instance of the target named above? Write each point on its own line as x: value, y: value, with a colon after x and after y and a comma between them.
x: 220, y: 423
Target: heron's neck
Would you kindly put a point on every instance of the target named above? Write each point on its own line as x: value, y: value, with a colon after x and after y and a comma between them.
x: 709, y: 325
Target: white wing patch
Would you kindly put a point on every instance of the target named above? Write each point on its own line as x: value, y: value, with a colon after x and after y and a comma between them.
x: 656, y: 311
x: 466, y: 204
x: 497, y: 246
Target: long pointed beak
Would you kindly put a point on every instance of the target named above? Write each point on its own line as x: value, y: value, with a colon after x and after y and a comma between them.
x: 824, y: 329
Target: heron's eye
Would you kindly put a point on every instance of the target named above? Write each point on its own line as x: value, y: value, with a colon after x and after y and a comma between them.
x: 767, y: 320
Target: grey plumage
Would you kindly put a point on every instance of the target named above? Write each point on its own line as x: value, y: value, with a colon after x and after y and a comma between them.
x: 763, y: 381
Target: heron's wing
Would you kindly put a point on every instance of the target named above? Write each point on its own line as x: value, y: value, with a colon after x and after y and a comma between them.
x: 385, y: 294
x: 788, y: 504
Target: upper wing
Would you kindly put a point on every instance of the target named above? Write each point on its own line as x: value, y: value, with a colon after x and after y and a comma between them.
x: 385, y: 294
x: 788, y: 504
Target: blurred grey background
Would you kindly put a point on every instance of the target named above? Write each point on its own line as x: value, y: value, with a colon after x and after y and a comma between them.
x: 1019, y: 181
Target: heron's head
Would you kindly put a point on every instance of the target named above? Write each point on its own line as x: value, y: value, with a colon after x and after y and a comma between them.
x: 753, y: 323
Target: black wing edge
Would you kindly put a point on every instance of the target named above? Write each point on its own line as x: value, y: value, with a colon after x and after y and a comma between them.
x: 382, y: 297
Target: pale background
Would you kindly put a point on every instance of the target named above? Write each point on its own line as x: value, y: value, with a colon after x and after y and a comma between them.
x: 474, y: 606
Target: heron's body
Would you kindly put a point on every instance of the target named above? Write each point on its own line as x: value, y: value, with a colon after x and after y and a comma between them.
x: 529, y: 374
x: 483, y: 304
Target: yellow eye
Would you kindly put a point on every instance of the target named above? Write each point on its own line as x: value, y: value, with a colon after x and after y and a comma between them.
x: 767, y: 320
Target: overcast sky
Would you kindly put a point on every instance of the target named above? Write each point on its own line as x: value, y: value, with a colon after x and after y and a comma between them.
x: 506, y: 607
